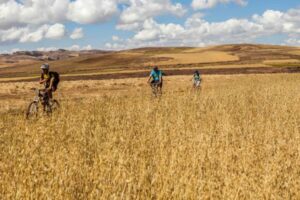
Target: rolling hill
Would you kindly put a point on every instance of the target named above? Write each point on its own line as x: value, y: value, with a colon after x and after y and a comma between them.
x: 254, y: 58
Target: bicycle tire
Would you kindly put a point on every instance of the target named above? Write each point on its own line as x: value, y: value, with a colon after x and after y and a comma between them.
x: 155, y: 90
x: 32, y: 110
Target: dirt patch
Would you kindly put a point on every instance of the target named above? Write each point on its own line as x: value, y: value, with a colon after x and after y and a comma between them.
x: 220, y: 71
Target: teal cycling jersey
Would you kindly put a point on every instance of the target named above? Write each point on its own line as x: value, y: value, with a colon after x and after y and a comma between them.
x: 197, y: 77
x: 156, y: 75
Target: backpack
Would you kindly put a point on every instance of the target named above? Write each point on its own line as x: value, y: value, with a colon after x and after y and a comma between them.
x: 56, y: 77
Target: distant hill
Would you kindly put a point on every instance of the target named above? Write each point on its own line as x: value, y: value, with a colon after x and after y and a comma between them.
x: 26, y: 63
x: 33, y: 56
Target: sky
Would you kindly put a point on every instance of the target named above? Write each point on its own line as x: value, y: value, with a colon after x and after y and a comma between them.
x: 123, y: 24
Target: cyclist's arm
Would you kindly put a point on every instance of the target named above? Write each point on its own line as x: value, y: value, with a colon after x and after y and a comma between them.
x: 161, y: 76
x: 42, y: 80
x: 51, y: 83
x: 149, y: 79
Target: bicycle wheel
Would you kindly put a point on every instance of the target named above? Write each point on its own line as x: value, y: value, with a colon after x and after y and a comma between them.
x: 32, y: 110
x: 154, y: 90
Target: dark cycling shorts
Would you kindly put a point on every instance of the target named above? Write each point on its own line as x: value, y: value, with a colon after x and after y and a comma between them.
x: 156, y: 82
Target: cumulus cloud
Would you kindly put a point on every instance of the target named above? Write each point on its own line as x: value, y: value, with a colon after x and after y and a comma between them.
x: 292, y: 41
x: 138, y: 11
x: 206, y: 4
x: 79, y: 48
x: 25, y: 12
x: 115, y: 38
x: 196, y: 31
x: 71, y: 48
x: 56, y: 31
x: 153, y: 31
x: 47, y: 49
x: 29, y: 34
x: 77, y: 34
x: 34, y: 20
x: 280, y: 22
x: 91, y: 11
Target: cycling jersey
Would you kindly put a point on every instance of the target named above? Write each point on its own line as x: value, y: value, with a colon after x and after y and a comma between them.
x: 48, y: 78
x: 156, y: 75
x: 197, y: 77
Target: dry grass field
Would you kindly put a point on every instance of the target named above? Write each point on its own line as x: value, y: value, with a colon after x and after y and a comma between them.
x: 238, y: 138
x: 198, y: 57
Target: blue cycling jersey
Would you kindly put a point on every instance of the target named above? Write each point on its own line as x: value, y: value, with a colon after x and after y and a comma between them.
x: 197, y: 77
x: 156, y: 75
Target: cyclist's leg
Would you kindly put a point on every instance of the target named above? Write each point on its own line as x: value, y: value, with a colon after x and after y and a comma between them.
x: 53, y: 89
x: 45, y: 97
x: 153, y: 83
x: 160, y: 86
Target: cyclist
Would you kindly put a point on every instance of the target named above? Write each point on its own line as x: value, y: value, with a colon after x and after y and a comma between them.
x: 50, y: 80
x: 197, y: 79
x: 156, y: 76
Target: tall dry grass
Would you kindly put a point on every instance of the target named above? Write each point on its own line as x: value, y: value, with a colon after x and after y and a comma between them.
x: 237, y: 139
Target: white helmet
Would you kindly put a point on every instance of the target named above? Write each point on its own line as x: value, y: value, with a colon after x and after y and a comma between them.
x: 45, y: 66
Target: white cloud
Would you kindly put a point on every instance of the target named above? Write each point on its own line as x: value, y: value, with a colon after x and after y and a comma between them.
x: 27, y: 20
x: 116, y: 46
x: 79, y: 48
x: 140, y: 10
x: 71, y: 48
x: 32, y: 34
x: 153, y: 31
x: 115, y: 38
x: 27, y: 12
x: 77, y: 34
x: 47, y: 49
x: 91, y: 11
x: 280, y: 22
x: 196, y: 31
x: 34, y: 20
x: 292, y: 42
x: 206, y: 4
x: 87, y: 48
x: 55, y: 31
x: 37, y: 12
x: 74, y: 48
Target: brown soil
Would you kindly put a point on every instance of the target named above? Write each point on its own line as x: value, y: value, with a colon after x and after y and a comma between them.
x: 220, y: 71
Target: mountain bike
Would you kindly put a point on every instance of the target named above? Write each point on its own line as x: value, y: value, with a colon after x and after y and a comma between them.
x: 197, y: 85
x: 156, y: 89
x: 41, y: 98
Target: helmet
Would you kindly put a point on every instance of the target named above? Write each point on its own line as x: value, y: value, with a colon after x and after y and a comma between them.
x: 45, y: 66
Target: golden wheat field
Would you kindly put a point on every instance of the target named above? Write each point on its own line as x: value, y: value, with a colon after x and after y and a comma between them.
x: 237, y: 138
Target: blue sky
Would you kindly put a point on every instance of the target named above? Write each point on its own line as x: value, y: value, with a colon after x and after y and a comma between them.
x: 121, y: 24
